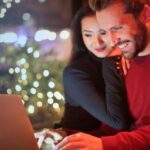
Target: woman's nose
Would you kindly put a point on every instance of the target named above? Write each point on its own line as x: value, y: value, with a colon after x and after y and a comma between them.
x: 98, y: 41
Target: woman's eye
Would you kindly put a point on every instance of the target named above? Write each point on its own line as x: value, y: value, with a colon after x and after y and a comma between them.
x: 87, y: 35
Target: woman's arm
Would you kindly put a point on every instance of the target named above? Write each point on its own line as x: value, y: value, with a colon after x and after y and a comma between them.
x: 107, y: 107
x: 115, y: 91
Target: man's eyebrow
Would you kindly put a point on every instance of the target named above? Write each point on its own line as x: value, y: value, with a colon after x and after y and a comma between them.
x: 116, y: 27
x: 87, y: 30
x: 101, y: 30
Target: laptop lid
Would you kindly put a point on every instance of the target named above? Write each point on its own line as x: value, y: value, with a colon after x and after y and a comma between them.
x: 16, y: 132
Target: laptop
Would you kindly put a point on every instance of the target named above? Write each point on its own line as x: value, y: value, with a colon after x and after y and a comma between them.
x: 16, y: 132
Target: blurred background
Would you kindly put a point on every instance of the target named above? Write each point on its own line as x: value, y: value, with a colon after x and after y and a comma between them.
x: 34, y: 49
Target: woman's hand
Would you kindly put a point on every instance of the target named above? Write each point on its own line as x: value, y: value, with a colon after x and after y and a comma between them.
x: 115, y: 52
x: 80, y: 141
x: 125, y: 64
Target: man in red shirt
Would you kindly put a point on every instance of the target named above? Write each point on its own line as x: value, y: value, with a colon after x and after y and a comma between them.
x: 124, y: 24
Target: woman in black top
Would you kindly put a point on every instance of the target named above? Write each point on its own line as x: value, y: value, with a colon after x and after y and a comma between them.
x: 94, y: 89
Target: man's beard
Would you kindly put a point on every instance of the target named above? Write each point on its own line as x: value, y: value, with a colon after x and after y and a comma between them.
x: 140, y: 42
x: 141, y: 39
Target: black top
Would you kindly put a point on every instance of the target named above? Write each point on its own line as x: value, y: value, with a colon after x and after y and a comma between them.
x: 95, y: 93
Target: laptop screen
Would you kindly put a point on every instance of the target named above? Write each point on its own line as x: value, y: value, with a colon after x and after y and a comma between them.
x: 16, y: 132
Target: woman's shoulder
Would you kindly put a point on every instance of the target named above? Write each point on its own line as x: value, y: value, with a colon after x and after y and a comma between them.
x: 82, y: 64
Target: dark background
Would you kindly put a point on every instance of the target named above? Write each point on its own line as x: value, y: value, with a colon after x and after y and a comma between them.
x: 54, y: 14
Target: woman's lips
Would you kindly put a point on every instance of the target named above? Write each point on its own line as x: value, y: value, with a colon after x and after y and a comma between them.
x: 101, y: 49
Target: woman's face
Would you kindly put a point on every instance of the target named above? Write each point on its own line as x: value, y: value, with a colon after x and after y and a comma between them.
x: 91, y: 38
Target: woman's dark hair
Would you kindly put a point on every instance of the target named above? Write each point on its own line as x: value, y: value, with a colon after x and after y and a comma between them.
x: 78, y: 46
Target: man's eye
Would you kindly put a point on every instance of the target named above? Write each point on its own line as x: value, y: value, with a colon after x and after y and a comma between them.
x: 117, y: 28
x: 102, y: 32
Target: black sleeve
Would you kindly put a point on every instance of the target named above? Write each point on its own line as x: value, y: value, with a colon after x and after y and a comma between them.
x: 115, y: 92
x: 79, y: 87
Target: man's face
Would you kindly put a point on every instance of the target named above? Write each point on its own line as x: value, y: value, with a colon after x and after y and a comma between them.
x: 120, y: 29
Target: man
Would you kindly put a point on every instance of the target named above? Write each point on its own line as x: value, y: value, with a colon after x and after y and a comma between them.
x: 124, y: 24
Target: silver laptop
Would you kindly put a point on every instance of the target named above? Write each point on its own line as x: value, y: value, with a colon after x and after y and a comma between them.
x: 16, y: 132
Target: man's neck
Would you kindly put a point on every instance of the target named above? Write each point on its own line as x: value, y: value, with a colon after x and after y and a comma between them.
x: 146, y: 51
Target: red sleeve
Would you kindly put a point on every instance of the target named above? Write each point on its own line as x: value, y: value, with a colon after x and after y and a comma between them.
x: 135, y: 140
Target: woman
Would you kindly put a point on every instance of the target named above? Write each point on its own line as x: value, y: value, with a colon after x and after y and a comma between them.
x: 94, y: 89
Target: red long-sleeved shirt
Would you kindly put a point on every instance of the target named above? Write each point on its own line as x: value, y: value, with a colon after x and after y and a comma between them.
x: 138, y: 90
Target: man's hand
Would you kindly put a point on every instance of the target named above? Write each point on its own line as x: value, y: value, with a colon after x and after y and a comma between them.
x: 80, y: 141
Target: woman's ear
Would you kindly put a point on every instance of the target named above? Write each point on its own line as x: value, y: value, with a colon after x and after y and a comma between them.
x: 145, y: 14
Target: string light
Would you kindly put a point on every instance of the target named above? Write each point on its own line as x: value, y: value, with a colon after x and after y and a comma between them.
x: 44, y: 34
x: 25, y: 97
x: 11, y: 70
x: 24, y: 92
x: 31, y: 109
x: 9, y: 91
x: 40, y: 95
x: 39, y: 76
x: 3, y: 10
x: 64, y: 34
x: 22, y: 40
x: 17, y: 69
x: 8, y: 37
x: 2, y: 59
x: 19, y: 81
x: 23, y: 71
x: 24, y: 77
x: 45, y: 73
x: 58, y: 95
x: 6, y: 4
x: 25, y: 82
x: 36, y: 84
x: 30, y: 50
x: 50, y: 101
x: 50, y: 94
x: 18, y: 88
x: 33, y: 91
x: 2, y: 15
x: 26, y: 65
x: 21, y: 61
x: 36, y: 54
x: 42, y: 1
x: 26, y: 16
x: 55, y: 105
x: 30, y: 80
x: 17, y: 1
x: 5, y: 1
x: 39, y: 104
x: 51, y: 84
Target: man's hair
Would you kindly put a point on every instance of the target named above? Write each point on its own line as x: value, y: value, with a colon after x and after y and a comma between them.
x: 100, y: 4
x: 131, y: 6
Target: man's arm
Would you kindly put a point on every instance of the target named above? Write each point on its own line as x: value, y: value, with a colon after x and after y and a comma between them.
x: 80, y: 141
x: 133, y: 140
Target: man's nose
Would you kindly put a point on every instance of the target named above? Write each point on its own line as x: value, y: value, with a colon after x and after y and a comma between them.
x: 113, y: 39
